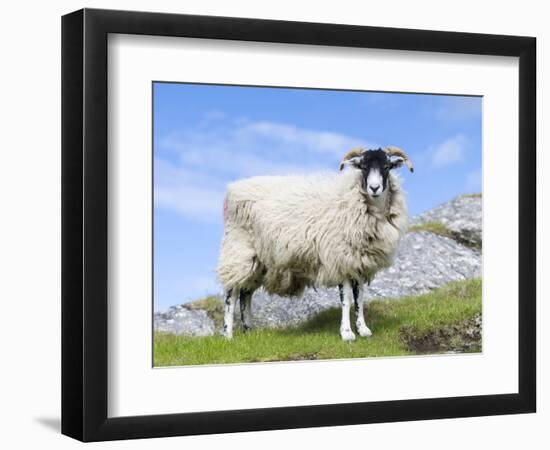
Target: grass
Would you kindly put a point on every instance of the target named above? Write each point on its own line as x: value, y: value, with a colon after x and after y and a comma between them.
x: 439, y: 228
x: 477, y: 195
x: 433, y: 227
x: 396, y: 325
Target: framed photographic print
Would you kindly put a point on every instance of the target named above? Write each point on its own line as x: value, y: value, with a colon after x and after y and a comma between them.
x: 267, y: 223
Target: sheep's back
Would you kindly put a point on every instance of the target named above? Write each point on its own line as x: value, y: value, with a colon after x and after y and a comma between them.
x: 288, y: 197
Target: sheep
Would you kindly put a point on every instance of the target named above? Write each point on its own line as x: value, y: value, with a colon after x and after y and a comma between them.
x: 286, y: 233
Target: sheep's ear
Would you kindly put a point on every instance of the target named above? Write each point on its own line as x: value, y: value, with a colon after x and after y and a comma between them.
x: 353, y: 162
x: 352, y: 157
x: 396, y: 163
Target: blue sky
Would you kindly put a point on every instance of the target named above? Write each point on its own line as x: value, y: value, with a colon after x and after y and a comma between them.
x: 207, y: 136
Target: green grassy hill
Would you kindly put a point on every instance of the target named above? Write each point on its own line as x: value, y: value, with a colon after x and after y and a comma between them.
x: 447, y: 319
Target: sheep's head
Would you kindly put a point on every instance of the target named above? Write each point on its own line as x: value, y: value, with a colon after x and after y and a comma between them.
x: 375, y: 166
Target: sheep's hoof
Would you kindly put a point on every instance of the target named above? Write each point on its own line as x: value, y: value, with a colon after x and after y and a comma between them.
x: 347, y: 335
x: 364, y: 331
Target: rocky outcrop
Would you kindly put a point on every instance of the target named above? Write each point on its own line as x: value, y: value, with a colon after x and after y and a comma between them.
x: 424, y: 261
x: 462, y: 216
x: 184, y: 321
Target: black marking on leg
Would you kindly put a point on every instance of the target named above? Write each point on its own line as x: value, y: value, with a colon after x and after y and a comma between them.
x: 245, y: 296
x: 341, y: 291
x: 228, y: 296
x: 355, y: 289
x: 356, y: 299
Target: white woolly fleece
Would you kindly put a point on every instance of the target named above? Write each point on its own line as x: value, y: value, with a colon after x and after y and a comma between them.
x: 289, y: 232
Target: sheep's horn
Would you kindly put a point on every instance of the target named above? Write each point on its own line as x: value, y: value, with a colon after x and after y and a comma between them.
x: 351, y: 154
x: 396, y: 151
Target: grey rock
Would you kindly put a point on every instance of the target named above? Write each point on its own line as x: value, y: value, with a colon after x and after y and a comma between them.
x: 272, y: 311
x: 183, y: 321
x: 425, y: 261
x: 462, y: 216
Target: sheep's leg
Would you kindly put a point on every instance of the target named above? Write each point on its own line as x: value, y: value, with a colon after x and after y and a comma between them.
x: 229, y: 310
x: 346, y: 298
x: 245, y: 302
x: 362, y: 328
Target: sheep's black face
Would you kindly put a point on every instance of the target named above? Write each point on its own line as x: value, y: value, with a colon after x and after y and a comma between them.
x: 375, y: 166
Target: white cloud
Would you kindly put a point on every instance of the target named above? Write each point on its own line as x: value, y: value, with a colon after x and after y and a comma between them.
x: 193, y: 165
x: 243, y: 136
x: 449, y: 152
x: 311, y: 140
x: 190, y: 194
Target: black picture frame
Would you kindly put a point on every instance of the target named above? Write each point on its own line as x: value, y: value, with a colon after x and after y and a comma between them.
x: 84, y: 224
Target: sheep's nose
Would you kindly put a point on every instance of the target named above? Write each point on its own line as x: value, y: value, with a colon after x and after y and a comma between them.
x: 374, y: 188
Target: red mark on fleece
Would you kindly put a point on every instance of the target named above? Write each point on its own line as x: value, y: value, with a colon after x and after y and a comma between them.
x: 225, y: 208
